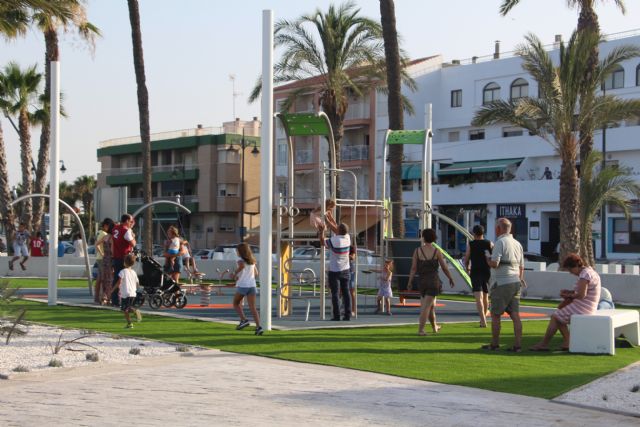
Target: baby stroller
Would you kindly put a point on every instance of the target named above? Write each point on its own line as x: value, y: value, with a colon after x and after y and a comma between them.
x: 158, y: 287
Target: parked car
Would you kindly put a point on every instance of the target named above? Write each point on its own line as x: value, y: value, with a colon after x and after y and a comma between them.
x: 203, y: 253
x: 221, y: 248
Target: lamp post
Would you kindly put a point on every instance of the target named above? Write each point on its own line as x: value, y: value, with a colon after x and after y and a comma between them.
x: 603, y: 212
x: 243, y: 144
x: 63, y: 169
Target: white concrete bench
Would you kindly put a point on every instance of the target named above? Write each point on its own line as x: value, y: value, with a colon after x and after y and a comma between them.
x: 596, y: 333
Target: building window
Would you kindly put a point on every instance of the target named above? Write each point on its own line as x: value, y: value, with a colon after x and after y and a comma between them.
x: 638, y: 75
x: 456, y: 98
x: 519, y: 89
x: 626, y: 235
x: 227, y: 224
x: 615, y: 80
x: 511, y: 131
x: 454, y: 136
x: 282, y: 154
x: 407, y: 185
x: 227, y: 190
x: 476, y: 134
x: 490, y: 93
x: 228, y: 156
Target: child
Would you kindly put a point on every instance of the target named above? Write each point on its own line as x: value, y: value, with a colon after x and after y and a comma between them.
x: 245, y: 277
x: 128, y: 284
x: 352, y: 279
x: 316, y: 220
x: 384, y: 290
x: 20, y: 246
x: 174, y: 247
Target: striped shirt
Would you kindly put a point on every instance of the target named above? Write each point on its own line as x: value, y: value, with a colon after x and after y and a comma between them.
x: 338, y: 252
x: 586, y: 305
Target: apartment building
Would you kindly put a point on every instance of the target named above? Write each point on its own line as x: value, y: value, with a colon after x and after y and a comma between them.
x: 203, y: 167
x: 482, y: 173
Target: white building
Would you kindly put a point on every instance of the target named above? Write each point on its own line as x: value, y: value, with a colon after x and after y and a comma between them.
x: 485, y: 173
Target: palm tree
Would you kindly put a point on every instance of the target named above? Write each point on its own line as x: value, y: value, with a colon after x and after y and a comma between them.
x: 587, y: 22
x: 68, y: 14
x: 394, y: 105
x: 610, y: 185
x: 556, y: 116
x: 83, y: 188
x: 143, y: 111
x: 18, y: 92
x: 341, y: 47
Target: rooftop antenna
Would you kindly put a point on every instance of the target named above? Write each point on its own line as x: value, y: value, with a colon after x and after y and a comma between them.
x: 235, y: 94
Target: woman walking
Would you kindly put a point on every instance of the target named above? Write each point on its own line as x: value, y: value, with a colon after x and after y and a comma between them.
x: 105, y: 271
x: 478, y: 250
x: 426, y: 260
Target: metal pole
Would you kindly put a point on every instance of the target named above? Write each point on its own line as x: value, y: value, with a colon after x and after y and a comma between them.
x: 266, y: 170
x: 603, y: 209
x: 426, y: 176
x: 242, y: 145
x: 54, y: 189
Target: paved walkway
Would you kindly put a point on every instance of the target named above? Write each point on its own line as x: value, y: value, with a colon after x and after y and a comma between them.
x: 218, y: 388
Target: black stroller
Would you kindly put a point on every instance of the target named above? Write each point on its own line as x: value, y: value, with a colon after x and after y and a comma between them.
x: 158, y: 287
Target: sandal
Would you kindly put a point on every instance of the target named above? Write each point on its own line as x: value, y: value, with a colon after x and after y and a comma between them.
x: 515, y: 349
x: 490, y: 347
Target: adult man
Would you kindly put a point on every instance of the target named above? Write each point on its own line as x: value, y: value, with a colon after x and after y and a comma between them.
x: 123, y: 243
x: 508, y: 261
x: 339, y: 272
x: 20, y: 246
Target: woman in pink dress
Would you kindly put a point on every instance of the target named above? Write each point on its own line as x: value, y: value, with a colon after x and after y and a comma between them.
x: 583, y: 299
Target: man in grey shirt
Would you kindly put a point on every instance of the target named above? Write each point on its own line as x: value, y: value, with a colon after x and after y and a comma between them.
x: 507, y: 260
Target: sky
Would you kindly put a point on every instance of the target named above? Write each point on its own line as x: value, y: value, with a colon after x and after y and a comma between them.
x: 191, y: 47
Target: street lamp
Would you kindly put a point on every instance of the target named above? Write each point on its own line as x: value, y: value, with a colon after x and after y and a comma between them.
x: 603, y: 211
x: 63, y: 169
x: 243, y: 144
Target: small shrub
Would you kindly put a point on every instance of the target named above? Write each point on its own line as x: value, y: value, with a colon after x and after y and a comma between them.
x: 135, y: 351
x: 182, y: 348
x: 92, y: 357
x: 20, y: 368
x: 56, y: 363
x: 635, y: 388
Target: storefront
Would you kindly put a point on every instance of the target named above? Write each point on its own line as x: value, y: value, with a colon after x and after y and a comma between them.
x: 517, y: 214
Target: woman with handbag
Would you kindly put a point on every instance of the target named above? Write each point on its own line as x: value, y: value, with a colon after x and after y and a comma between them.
x: 426, y: 260
x: 582, y: 299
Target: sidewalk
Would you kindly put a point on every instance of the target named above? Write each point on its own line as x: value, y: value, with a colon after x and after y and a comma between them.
x: 218, y: 388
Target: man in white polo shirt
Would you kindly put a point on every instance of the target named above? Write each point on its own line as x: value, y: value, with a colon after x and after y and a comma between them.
x: 507, y: 260
x: 339, y: 272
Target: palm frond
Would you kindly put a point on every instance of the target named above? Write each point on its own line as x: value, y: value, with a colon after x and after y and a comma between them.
x: 507, y: 5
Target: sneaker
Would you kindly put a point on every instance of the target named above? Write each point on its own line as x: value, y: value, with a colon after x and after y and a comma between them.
x: 243, y: 324
x: 138, y: 315
x: 129, y: 326
x: 23, y: 267
x: 10, y: 266
x: 259, y: 330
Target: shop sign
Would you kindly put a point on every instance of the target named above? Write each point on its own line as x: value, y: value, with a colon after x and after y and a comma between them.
x: 511, y: 211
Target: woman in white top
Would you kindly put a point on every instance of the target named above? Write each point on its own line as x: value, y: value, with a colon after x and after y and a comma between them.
x: 78, y: 246
x: 245, y: 277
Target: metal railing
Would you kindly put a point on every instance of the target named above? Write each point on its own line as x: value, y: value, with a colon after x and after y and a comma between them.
x: 184, y: 199
x: 357, y: 110
x: 138, y: 169
x: 354, y: 152
x: 162, y: 136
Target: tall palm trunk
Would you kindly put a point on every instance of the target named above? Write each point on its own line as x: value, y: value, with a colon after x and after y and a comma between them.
x: 394, y: 105
x: 51, y: 54
x: 143, y: 111
x: 25, y: 161
x: 569, y: 195
x: 5, y: 194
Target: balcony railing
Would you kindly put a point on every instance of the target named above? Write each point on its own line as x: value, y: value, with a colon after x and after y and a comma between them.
x: 185, y: 199
x: 161, y: 136
x: 359, y: 110
x: 138, y: 169
x: 354, y: 152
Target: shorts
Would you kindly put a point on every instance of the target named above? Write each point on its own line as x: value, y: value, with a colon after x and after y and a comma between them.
x: 20, y: 249
x: 176, y: 268
x: 127, y: 304
x: 505, y: 298
x: 352, y: 280
x: 480, y: 282
x: 246, y: 291
x: 173, y: 251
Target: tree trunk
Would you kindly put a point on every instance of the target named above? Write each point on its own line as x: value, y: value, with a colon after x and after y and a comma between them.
x: 569, y: 204
x: 7, y: 214
x: 25, y: 161
x: 394, y: 105
x: 143, y: 111
x: 51, y: 54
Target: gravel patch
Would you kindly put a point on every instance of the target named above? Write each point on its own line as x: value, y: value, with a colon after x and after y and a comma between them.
x: 619, y: 391
x: 48, y: 348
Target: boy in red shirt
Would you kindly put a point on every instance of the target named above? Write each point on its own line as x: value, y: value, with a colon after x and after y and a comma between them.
x: 123, y: 243
x: 37, y: 245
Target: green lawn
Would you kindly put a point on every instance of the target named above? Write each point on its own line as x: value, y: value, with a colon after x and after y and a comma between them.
x: 20, y: 282
x: 451, y: 357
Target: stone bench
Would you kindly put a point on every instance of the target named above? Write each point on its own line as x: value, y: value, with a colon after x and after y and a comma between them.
x: 596, y: 333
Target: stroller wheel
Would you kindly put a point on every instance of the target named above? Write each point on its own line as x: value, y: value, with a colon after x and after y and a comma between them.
x: 181, y: 300
x: 155, y: 301
x: 168, y: 300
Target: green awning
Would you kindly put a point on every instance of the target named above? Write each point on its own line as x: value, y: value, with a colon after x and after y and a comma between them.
x: 482, y: 166
x: 406, y: 137
x: 412, y: 171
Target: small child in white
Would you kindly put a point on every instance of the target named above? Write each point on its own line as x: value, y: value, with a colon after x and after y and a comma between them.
x: 384, y: 286
x: 245, y: 277
x: 174, y: 247
x: 318, y: 222
x: 128, y: 284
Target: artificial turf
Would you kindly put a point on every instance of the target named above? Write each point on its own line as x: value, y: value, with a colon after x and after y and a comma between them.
x: 451, y: 357
x: 35, y: 283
